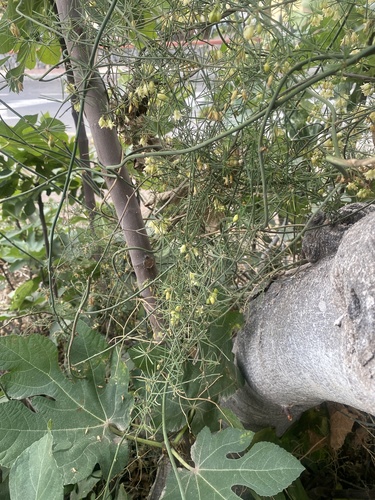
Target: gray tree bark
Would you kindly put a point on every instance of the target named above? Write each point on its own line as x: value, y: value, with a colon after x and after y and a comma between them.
x: 310, y: 337
x: 88, y: 81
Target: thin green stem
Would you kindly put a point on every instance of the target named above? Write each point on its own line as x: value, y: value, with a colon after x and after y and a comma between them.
x: 75, y: 322
x: 332, y: 109
x: 148, y: 442
x: 106, y: 494
x: 34, y: 21
x: 180, y: 435
x: 182, y: 461
x: 168, y: 446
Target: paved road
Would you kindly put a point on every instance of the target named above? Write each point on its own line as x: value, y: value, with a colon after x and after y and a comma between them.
x: 36, y: 98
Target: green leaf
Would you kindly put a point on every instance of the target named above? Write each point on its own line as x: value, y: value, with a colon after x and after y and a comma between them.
x: 265, y: 468
x: 231, y: 418
x: 35, y: 474
x: 83, y: 488
x: 29, y: 207
x: 8, y: 183
x: 26, y: 54
x: 4, y: 485
x: 24, y: 291
x: 121, y: 493
x: 81, y: 411
x: 14, y: 78
x: 4, y: 59
x: 7, y: 40
x: 50, y: 51
x: 220, y: 347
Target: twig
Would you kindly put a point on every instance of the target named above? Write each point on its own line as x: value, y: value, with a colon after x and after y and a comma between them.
x: 342, y: 163
x: 6, y: 276
x: 46, y: 241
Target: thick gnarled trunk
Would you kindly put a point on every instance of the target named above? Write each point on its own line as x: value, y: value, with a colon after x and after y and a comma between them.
x: 311, y: 336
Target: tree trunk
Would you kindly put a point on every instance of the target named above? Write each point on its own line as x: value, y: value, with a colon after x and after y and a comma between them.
x: 88, y: 81
x: 311, y: 336
x: 82, y: 139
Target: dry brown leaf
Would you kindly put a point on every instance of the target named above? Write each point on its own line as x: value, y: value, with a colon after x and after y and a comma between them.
x: 341, y: 423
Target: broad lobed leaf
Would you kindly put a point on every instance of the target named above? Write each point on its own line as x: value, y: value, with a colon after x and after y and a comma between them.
x: 79, y: 410
x: 265, y: 468
x: 35, y: 474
